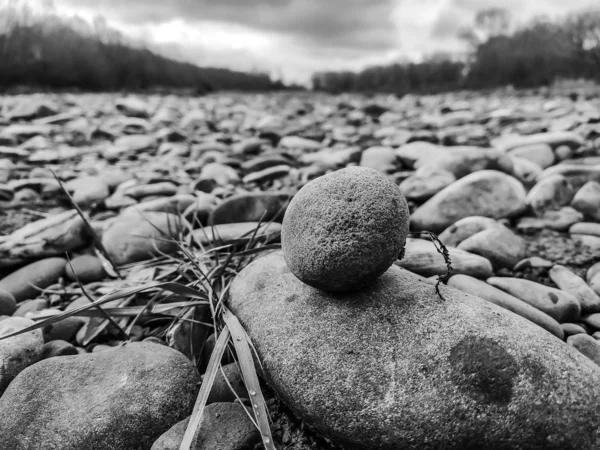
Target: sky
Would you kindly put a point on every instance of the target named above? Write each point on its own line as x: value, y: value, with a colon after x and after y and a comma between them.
x: 294, y: 38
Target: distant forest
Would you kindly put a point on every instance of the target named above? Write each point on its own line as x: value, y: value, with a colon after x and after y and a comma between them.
x: 538, y: 54
x: 45, y: 50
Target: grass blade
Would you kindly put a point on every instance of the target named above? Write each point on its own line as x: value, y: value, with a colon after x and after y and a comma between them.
x: 242, y: 349
x: 207, y: 384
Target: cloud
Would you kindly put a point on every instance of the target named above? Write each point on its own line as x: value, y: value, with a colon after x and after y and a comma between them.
x: 357, y: 24
x: 298, y: 37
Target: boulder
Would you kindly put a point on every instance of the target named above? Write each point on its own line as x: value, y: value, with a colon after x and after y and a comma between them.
x: 394, y: 366
x: 122, y: 398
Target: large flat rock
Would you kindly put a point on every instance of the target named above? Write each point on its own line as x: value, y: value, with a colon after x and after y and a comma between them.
x: 395, y: 367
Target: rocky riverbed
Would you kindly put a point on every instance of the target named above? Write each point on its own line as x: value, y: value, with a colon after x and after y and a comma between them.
x: 164, y: 209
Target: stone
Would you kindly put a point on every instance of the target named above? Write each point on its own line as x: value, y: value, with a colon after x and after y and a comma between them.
x: 499, y: 245
x: 593, y: 278
x: 540, y: 154
x: 576, y: 286
x: 560, y: 305
x: 272, y: 173
x: 422, y: 257
x: 587, y: 200
x: 571, y: 329
x: 424, y: 186
x: 589, y: 228
x: 485, y: 193
x: 578, y: 175
x: 58, y: 348
x: 86, y: 268
x: 88, y: 190
x: 221, y: 392
x: 260, y: 207
x: 223, y: 426
x: 132, y: 107
x: 40, y: 274
x: 553, y: 139
x: 132, y: 238
x: 129, y: 145
x: 591, y: 320
x: 343, y: 230
x: 493, y: 295
x: 587, y: 345
x: 8, y: 304
x: 26, y: 307
x: 525, y: 171
x: 221, y: 174
x: 18, y: 352
x: 53, y: 236
x: 165, y: 188
x: 175, y: 204
x: 382, y: 159
x: 464, y: 160
x: 465, y: 228
x: 125, y: 397
x: 550, y: 194
x: 237, y: 233
x: 394, y: 366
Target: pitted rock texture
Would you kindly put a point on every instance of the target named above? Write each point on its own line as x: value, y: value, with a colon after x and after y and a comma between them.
x: 395, y: 367
x: 343, y: 230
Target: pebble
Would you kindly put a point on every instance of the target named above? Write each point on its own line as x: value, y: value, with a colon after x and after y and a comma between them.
x: 499, y: 245
x: 26, y: 283
x: 587, y: 345
x: 18, y: 352
x: 132, y: 238
x: 58, y: 348
x: 550, y: 194
x: 587, y: 200
x: 422, y: 257
x: 560, y: 305
x: 575, y: 285
x: 493, y: 295
x: 539, y: 154
x: 86, y: 268
x: 262, y: 207
x: 223, y: 426
x: 8, y: 304
x: 382, y: 159
x: 331, y: 222
x: 485, y: 193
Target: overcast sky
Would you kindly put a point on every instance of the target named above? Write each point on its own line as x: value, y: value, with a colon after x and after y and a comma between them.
x: 298, y: 37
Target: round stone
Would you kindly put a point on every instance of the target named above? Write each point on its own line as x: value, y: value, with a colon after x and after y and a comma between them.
x: 343, y: 230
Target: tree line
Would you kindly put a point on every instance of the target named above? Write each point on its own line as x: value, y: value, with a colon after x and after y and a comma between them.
x: 45, y: 50
x: 537, y: 54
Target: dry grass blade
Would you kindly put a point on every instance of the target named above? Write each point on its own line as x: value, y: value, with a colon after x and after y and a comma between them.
x: 97, y: 240
x: 207, y: 384
x: 173, y: 287
x: 122, y: 332
x: 244, y: 355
